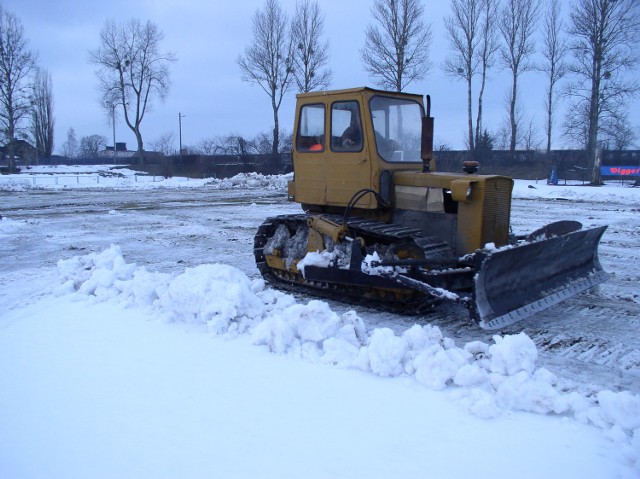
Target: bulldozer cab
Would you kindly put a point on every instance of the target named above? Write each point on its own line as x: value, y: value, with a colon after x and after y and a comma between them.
x: 344, y: 139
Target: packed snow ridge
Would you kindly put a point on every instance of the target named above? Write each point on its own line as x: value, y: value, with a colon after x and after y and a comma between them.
x: 487, y: 379
x: 92, y: 177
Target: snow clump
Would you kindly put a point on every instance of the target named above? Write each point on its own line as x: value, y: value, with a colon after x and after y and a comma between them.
x: 235, y: 304
x: 251, y: 180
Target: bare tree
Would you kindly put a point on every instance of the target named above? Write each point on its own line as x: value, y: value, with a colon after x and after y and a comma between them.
x: 576, y: 124
x: 487, y: 49
x: 268, y: 59
x: 617, y: 132
x: 530, y: 140
x: 207, y: 146
x: 396, y: 51
x: 309, y: 53
x: 42, y: 120
x: 287, y: 141
x: 165, y: 144
x: 133, y: 71
x: 484, y: 143
x: 70, y: 147
x: 234, y: 144
x: 17, y: 63
x: 605, y: 36
x: 462, y: 31
x: 554, y: 51
x: 262, y: 143
x: 238, y: 145
x: 92, y: 145
x: 517, y: 24
x: 502, y: 138
x: 520, y: 117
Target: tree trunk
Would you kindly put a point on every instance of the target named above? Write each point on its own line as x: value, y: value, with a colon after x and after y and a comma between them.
x: 276, y: 126
x: 554, y: 165
x: 10, y: 135
x: 479, y: 117
x: 512, y: 114
x: 470, y: 118
x: 549, y: 124
x: 596, y: 174
x: 140, y: 151
x: 594, y: 115
x: 12, y: 162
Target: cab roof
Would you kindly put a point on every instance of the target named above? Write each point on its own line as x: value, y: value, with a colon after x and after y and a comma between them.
x: 364, y: 89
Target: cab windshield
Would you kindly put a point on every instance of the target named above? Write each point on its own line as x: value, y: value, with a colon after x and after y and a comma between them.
x: 398, y: 127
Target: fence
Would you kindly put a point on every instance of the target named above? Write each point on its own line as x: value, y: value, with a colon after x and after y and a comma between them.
x: 532, y: 165
x: 72, y: 180
x: 199, y: 166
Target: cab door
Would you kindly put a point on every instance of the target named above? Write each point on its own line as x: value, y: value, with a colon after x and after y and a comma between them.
x: 348, y: 169
x: 310, y: 156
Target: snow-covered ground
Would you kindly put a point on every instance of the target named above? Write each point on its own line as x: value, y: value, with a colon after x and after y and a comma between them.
x: 138, y: 340
x: 61, y: 177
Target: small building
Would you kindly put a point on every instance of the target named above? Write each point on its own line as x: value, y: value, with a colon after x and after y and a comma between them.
x: 17, y: 153
x: 22, y: 150
x: 120, y: 152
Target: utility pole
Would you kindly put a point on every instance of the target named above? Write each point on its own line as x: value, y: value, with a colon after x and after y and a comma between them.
x: 112, y: 106
x: 113, y: 117
x: 180, y: 117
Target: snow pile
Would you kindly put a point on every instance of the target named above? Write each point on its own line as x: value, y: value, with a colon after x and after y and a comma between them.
x: 107, y: 276
x: 9, y: 226
x: 252, y: 180
x: 612, y: 190
x: 486, y: 379
x: 220, y: 296
x: 14, y: 184
x: 313, y: 331
x: 109, y: 176
x: 76, y: 169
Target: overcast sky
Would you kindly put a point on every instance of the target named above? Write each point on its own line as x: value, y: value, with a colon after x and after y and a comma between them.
x: 207, y: 37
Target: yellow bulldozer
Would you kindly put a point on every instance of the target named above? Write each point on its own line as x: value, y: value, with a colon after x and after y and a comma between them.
x: 382, y: 227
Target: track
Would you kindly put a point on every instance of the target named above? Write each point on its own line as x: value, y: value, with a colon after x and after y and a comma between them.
x: 385, y: 294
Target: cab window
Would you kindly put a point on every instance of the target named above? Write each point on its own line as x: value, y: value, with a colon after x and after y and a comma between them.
x: 311, y: 128
x: 397, y: 124
x: 346, y: 127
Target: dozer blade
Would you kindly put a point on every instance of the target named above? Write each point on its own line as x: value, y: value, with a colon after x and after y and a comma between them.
x: 515, y: 283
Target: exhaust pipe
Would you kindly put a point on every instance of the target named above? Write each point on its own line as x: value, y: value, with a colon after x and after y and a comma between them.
x: 426, y: 150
